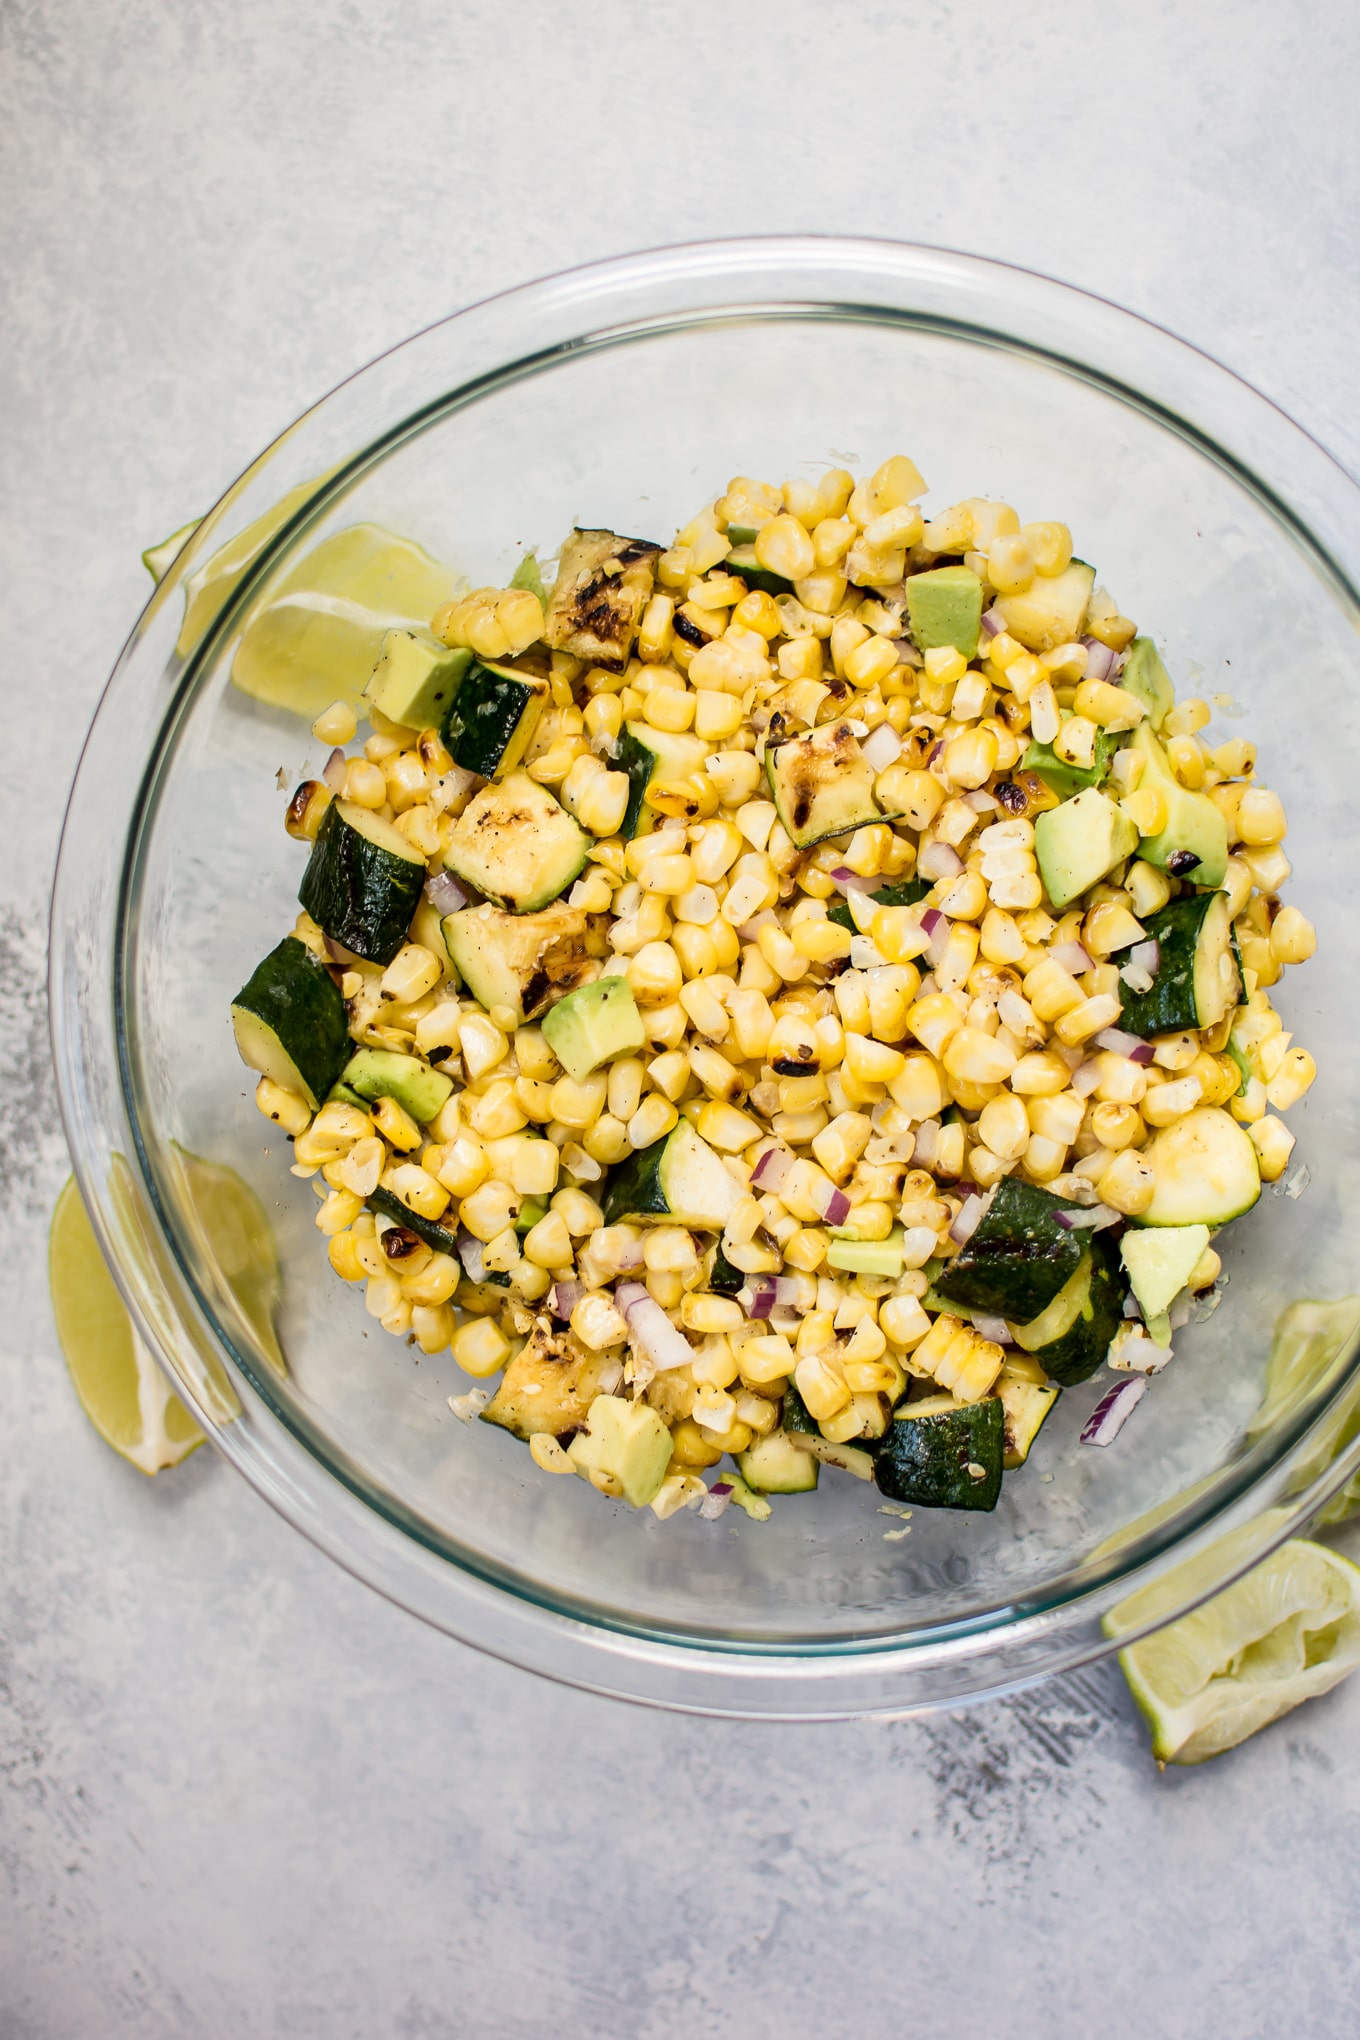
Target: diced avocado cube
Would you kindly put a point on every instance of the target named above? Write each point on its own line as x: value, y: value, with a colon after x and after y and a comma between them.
x: 1194, y: 843
x: 594, y: 1024
x: 415, y: 679
x: 1078, y: 842
x: 944, y: 607
x: 1146, y: 678
x: 385, y: 1073
x: 1052, y: 609
x: 627, y: 1445
x: 867, y: 1257
x: 1064, y: 779
x: 1160, y: 1261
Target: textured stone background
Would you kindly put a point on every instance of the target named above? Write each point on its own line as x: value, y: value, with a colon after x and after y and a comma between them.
x: 239, y: 1795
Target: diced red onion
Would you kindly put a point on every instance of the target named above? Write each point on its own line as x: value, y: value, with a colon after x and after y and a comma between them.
x: 967, y: 1221
x: 788, y: 1289
x: 830, y: 1203
x: 1147, y: 956
x: 994, y: 1328
x: 336, y: 952
x: 1090, y: 1218
x: 470, y: 1254
x: 1070, y: 956
x: 1086, y: 1078
x: 937, y: 752
x: 939, y: 940
x: 759, y: 1296
x: 651, y: 1329
x: 444, y: 893
x: 853, y: 881
x: 766, y: 918
x: 1106, y: 1420
x: 993, y: 622
x: 564, y: 1298
x: 771, y: 1171
x: 629, y: 1256
x: 939, y: 860
x: 715, y: 1501
x: 1099, y: 659
x: 882, y: 747
x: 930, y: 920
x: 333, y: 771
x: 1119, y: 1043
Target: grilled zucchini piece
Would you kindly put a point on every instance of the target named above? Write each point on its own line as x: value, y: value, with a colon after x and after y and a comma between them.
x: 524, y: 961
x: 495, y: 712
x: 290, y: 1022
x: 774, y: 1465
x: 678, y: 1179
x: 595, y: 607
x: 944, y: 1455
x: 648, y: 756
x: 363, y: 881
x: 822, y: 784
x: 1025, y: 1407
x: 1018, y: 1258
x: 1072, y: 1335
x: 1196, y: 979
x: 517, y: 845
x: 438, y: 1238
x: 550, y: 1384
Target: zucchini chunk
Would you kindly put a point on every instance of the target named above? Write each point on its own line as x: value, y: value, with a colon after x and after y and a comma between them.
x: 594, y: 1024
x: 1052, y: 609
x: 1196, y: 980
x: 415, y: 679
x: 385, y: 1073
x: 822, y: 784
x: 723, y: 1278
x: 944, y: 1455
x: 514, y: 843
x: 363, y: 881
x: 1147, y: 680
x: 1204, y: 1168
x: 742, y: 561
x: 523, y: 961
x: 797, y: 1426
x: 1025, y: 1409
x: 649, y: 756
x: 495, y: 712
x: 437, y: 1237
x: 1018, y: 1258
x: 290, y: 1022
x: 596, y: 604
x: 774, y: 1465
x: 549, y: 1385
x: 1076, y: 843
x: 944, y: 607
x: 1194, y: 843
x: 1071, y: 1337
x: 677, y: 1180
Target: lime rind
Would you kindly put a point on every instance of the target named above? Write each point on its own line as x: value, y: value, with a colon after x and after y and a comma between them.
x: 158, y: 559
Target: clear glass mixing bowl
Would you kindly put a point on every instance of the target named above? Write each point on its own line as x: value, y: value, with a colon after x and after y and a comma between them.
x: 625, y: 395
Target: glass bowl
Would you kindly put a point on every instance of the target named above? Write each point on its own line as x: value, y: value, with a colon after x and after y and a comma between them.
x: 625, y: 395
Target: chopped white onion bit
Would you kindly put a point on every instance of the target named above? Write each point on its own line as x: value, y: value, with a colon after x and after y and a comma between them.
x: 882, y: 747
x: 994, y: 1328
x: 1086, y: 1078
x: 1070, y: 956
x: 1108, y: 1417
x: 469, y: 1406
x: 1094, y: 1218
x: 1119, y: 1043
x: 444, y: 893
x: 652, y: 1331
x: 967, y: 1222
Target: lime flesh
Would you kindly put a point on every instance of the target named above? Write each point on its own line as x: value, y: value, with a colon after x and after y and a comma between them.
x: 122, y: 1390
x: 1286, y: 1632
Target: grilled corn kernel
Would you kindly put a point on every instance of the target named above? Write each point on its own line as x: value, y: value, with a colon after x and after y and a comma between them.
x: 480, y: 1347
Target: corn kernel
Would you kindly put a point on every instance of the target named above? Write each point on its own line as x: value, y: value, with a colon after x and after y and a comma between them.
x: 480, y: 1347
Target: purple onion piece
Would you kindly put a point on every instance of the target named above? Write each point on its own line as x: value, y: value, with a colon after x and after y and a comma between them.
x: 939, y: 860
x: 930, y: 920
x: 771, y: 1171
x: 993, y: 622
x: 1106, y: 1420
x: 1086, y: 1218
x: 1119, y: 1043
x: 787, y: 1289
x: 333, y: 771
x: 1100, y: 660
x: 762, y: 1299
x: 1086, y: 1078
x: 564, y: 1297
x: 937, y: 752
x: 1070, y: 956
x: 444, y: 893
x: 837, y: 1208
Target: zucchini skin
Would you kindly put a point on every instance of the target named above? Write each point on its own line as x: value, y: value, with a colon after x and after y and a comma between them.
x: 638, y: 763
x: 482, y: 719
x: 925, y: 1460
x: 742, y: 562
x: 1170, y: 1004
x: 909, y: 895
x: 1079, y: 1352
x: 723, y: 1278
x: 298, y: 999
x: 357, y: 892
x: 635, y: 1185
x: 1018, y: 1258
x: 435, y: 1236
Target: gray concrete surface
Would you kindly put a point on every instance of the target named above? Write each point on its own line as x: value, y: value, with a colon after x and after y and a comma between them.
x: 239, y: 1795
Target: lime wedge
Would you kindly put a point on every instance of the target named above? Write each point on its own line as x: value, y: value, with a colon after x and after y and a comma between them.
x: 209, y: 586
x: 122, y: 1390
x: 236, y: 1237
x: 1286, y: 1632
x: 1313, y: 1342
x: 158, y: 559
x: 318, y: 638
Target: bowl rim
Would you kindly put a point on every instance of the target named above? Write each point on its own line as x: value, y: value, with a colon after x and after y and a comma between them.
x: 1004, y: 1646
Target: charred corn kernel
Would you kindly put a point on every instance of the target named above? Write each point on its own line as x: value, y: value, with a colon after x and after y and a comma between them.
x: 1148, y: 889
x: 1274, y: 1144
x: 840, y: 1144
x: 1127, y: 1184
x: 655, y: 974
x: 1109, y: 927
x: 1051, y: 545
x: 1292, y: 1078
x: 1113, y: 708
x: 338, y: 1212
x: 1010, y: 564
x: 285, y: 1108
x: 1004, y: 1126
x: 1075, y: 742
x: 465, y: 1166
x: 1116, y: 1126
x: 977, y: 1057
x: 1081, y: 1022
x: 783, y: 546
x: 655, y: 1116
x: 307, y: 810
x: 1293, y: 939
x: 480, y: 1347
x: 1260, y: 817
x: 396, y: 1125
x: 872, y: 1062
x: 960, y: 954
x: 654, y: 631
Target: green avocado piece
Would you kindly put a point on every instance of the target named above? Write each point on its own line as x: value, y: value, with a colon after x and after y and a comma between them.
x: 625, y: 1442
x: 1064, y: 779
x: 415, y: 679
x: 592, y: 1025
x: 865, y: 1257
x: 1146, y: 678
x: 944, y: 607
x: 1077, y: 842
x: 385, y: 1073
x: 1194, y: 843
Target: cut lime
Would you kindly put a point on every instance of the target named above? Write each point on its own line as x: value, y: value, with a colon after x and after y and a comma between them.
x: 237, y: 1240
x: 318, y: 638
x: 1287, y: 1631
x: 158, y: 559
x: 209, y: 586
x: 124, y: 1393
